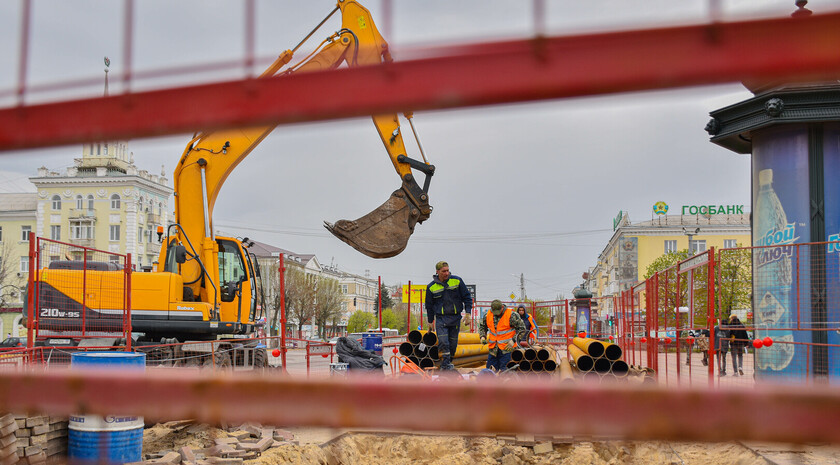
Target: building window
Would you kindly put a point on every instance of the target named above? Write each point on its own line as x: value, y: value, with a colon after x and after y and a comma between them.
x: 24, y: 264
x: 1, y: 233
x: 81, y: 230
x: 90, y: 202
x: 344, y: 289
x: 139, y: 235
x: 99, y: 149
x: 80, y: 202
x: 730, y: 243
x: 697, y: 246
x: 670, y: 246
x: 55, y: 232
x: 25, y: 231
x: 114, y: 232
x: 115, y: 202
x: 56, y: 202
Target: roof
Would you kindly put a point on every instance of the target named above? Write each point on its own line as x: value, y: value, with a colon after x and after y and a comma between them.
x: 735, y: 219
x: 19, y: 201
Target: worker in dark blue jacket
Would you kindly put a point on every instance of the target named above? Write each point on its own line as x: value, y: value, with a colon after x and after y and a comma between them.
x: 446, y: 297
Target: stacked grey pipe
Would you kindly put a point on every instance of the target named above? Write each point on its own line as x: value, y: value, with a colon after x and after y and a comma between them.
x: 534, y: 359
x: 421, y: 349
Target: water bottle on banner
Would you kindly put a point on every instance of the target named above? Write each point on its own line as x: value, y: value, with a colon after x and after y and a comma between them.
x: 772, y: 276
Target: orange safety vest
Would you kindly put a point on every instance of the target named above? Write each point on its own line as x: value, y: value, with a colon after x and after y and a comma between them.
x: 533, y: 333
x: 503, y: 335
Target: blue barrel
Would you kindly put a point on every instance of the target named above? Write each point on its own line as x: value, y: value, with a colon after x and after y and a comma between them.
x: 112, y: 438
x: 372, y: 342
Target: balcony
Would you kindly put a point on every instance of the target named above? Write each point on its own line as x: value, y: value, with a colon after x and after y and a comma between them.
x: 152, y: 218
x: 89, y: 243
x: 82, y: 213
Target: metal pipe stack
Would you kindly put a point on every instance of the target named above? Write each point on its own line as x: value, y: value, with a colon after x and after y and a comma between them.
x: 421, y: 347
x: 598, y: 359
x: 535, y: 359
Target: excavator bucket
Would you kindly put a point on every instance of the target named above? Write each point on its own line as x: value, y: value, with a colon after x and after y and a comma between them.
x: 382, y: 233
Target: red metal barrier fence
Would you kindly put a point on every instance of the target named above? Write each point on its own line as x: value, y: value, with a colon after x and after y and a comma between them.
x: 79, y: 292
x: 786, y: 304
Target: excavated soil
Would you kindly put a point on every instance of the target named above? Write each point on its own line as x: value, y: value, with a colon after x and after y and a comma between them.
x: 405, y: 449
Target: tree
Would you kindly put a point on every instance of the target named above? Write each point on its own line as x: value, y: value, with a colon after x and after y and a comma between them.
x: 389, y: 319
x: 300, y: 297
x: 328, y: 299
x: 387, y: 301
x: 733, y: 284
x: 360, y: 321
x: 10, y: 283
x: 734, y: 280
x: 402, y: 325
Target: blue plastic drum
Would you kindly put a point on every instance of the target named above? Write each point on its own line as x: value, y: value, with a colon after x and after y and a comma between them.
x: 372, y: 342
x: 108, y: 439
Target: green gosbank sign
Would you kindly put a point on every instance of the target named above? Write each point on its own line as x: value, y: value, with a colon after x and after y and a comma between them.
x: 713, y: 209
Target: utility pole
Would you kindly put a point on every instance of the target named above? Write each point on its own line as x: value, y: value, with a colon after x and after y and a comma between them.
x: 522, y: 286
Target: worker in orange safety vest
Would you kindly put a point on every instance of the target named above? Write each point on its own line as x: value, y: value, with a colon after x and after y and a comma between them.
x: 500, y: 330
x: 530, y: 324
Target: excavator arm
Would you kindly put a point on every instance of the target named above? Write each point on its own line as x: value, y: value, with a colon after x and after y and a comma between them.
x: 210, y: 157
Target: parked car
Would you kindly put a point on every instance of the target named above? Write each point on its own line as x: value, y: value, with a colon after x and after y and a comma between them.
x: 13, y: 342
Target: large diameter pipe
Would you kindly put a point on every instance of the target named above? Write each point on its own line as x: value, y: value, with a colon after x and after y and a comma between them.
x: 469, y: 338
x: 430, y: 339
x: 543, y: 354
x: 415, y: 337
x: 466, y: 350
x: 524, y: 365
x: 421, y: 350
x: 406, y: 349
x: 583, y: 361
x: 620, y: 368
x: 434, y: 353
x: 602, y: 365
x: 414, y: 360
x: 593, y: 347
x: 612, y: 351
x: 530, y: 354
x: 537, y: 365
x: 549, y: 365
x: 426, y: 363
x: 470, y: 361
x: 517, y: 355
x: 566, y: 374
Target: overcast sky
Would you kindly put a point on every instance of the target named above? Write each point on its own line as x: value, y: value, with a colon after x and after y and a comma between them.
x: 519, y: 189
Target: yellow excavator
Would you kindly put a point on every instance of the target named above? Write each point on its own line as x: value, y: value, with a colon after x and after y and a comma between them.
x: 206, y: 285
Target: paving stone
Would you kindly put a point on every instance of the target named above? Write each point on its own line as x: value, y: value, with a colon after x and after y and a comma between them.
x: 36, y: 421
x: 543, y: 448
x: 7, y: 419
x: 239, y: 435
x: 187, y: 454
x: 40, y: 429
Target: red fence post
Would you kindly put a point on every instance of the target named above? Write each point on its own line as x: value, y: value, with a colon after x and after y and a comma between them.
x: 710, y: 315
x: 127, y: 313
x: 379, y: 291
x: 31, y: 296
x: 282, y: 272
x: 408, y: 311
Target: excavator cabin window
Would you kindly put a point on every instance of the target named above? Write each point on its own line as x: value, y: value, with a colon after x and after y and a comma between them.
x: 232, y: 269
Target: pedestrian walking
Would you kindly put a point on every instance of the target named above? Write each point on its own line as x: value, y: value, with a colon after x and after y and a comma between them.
x: 721, y: 347
x: 447, y: 297
x: 500, y: 330
x: 739, y: 339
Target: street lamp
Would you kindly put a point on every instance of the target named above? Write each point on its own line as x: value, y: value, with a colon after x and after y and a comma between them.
x: 691, y: 233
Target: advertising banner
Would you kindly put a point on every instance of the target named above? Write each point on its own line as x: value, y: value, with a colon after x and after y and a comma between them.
x: 831, y: 164
x: 418, y: 293
x: 781, y: 216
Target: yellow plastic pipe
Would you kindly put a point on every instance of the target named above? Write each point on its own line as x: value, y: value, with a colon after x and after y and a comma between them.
x: 593, y: 347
